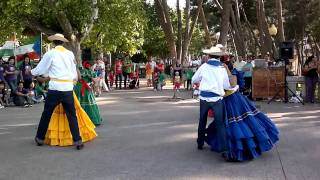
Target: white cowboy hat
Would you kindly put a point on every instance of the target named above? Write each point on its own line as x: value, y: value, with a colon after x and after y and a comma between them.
x: 214, y: 50
x: 59, y: 37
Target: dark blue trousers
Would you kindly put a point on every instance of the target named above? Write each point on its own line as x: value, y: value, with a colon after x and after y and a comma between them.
x: 219, y: 119
x: 53, y: 99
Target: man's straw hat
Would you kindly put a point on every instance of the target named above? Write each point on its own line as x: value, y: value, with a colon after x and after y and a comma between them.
x: 58, y: 37
x: 214, y: 50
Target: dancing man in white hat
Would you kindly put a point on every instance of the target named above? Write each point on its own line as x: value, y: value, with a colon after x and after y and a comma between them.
x: 213, y: 79
x: 59, y: 63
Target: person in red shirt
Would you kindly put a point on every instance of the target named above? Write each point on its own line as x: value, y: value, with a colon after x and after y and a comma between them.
x: 160, y: 66
x: 111, y: 78
x: 118, y: 72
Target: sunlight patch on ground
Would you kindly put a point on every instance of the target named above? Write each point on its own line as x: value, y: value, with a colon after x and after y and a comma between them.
x: 106, y: 102
x: 150, y: 124
x: 183, y: 107
x: 183, y: 126
x: 127, y: 92
x: 17, y: 125
x: 188, y: 101
x: 180, y: 137
x: 106, y: 98
x: 304, y: 113
x: 152, y: 97
x: 1, y: 133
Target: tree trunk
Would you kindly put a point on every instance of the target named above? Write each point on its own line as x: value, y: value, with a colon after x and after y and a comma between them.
x: 264, y: 48
x: 224, y: 25
x: 250, y: 29
x: 239, y: 41
x: 77, y: 50
x: 267, y: 37
x: 179, y: 41
x: 280, y: 21
x: 163, y: 14
x: 185, y: 44
x: 205, y: 27
x: 195, y: 19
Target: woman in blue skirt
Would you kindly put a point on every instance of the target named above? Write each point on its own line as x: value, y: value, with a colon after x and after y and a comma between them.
x: 250, y: 132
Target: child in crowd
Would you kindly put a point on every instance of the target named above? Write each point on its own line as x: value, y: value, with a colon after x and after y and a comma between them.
x: 111, y: 78
x: 22, y: 96
x: 177, y: 81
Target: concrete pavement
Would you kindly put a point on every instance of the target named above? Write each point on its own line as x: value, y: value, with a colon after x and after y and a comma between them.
x: 145, y: 135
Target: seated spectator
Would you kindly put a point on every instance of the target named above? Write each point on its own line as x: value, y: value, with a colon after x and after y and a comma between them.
x: 22, y: 96
x: 3, y: 101
x: 41, y: 89
x: 33, y: 95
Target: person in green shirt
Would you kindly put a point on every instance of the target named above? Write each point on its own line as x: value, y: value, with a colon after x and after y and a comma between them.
x: 189, y: 74
x: 41, y: 89
x: 127, y: 70
x: 162, y: 78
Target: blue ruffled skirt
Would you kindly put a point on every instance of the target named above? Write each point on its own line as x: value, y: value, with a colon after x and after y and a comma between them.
x: 249, y: 131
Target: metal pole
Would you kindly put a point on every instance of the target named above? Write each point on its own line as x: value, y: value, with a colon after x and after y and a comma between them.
x: 40, y: 46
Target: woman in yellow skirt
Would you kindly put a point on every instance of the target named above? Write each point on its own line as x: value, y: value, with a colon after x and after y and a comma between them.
x: 59, y: 134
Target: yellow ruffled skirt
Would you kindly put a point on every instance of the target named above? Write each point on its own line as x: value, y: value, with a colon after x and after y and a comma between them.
x: 59, y: 134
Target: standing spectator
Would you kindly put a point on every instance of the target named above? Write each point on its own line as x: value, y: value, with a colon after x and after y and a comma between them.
x: 239, y: 63
x: 189, y: 74
x: 247, y: 69
x: 97, y: 80
x: 155, y: 80
x: 178, y: 70
x: 127, y: 70
x: 149, y: 73
x: 161, y: 81
x: 310, y: 69
x: 25, y: 72
x: 160, y: 66
x: 171, y: 71
x: 107, y: 70
x: 111, y: 79
x: 118, y: 71
x: 22, y: 96
x: 177, y: 81
x: 102, y: 66
x: 10, y: 74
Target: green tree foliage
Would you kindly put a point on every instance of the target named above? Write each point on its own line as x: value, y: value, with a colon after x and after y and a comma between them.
x: 118, y: 26
x: 154, y: 43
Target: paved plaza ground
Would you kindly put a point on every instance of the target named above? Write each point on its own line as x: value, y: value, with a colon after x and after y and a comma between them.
x: 145, y: 135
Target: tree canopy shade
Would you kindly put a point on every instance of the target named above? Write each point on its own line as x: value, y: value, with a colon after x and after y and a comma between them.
x: 155, y: 29
x: 104, y: 24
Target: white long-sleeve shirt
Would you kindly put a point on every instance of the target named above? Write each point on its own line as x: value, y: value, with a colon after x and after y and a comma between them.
x: 59, y: 65
x: 212, y: 79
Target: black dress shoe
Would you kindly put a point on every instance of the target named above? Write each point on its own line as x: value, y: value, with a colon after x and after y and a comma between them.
x: 200, y: 147
x: 79, y: 147
x: 38, y: 141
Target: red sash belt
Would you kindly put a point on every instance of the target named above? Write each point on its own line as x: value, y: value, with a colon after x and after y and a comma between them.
x: 84, y: 86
